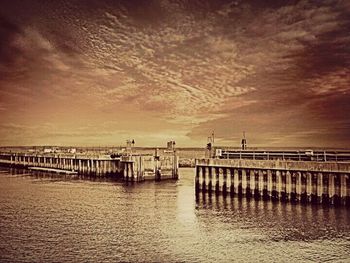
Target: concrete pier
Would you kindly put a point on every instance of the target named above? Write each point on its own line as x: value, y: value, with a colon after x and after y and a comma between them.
x: 133, y: 168
x: 293, y: 181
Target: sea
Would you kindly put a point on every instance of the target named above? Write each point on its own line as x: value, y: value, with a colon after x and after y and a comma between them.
x: 58, y: 218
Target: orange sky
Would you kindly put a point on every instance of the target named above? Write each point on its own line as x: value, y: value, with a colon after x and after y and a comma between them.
x: 101, y: 72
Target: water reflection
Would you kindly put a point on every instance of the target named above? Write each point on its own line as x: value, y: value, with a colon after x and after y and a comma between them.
x: 278, y: 220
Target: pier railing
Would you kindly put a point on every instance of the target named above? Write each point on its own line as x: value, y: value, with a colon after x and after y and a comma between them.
x: 302, y: 155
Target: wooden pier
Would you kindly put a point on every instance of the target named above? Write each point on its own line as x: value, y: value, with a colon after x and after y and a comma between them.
x: 133, y: 168
x: 284, y: 180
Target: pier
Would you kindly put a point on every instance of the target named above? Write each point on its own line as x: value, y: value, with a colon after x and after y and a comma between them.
x: 130, y: 168
x: 283, y: 180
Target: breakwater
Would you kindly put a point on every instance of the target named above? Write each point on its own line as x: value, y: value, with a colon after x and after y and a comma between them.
x: 134, y: 168
x: 294, y: 181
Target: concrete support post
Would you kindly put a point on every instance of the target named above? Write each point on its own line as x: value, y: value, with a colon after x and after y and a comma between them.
x: 309, y: 185
x: 236, y: 181
x: 248, y: 190
x: 128, y: 170
x: 108, y: 166
x: 244, y: 181
x: 343, y: 188
x: 97, y: 168
x: 279, y: 184
x: 132, y: 170
x: 223, y: 180
x: 228, y: 180
x: 104, y: 169
x: 274, y: 193
x: 261, y: 182
x: 265, y: 185
x: 313, y: 197
x: 196, y: 179
x: 201, y: 178
x: 207, y: 180
x: 232, y: 188
x: 283, y: 193
x: 88, y: 170
x: 211, y: 185
x: 256, y: 184
x: 93, y: 168
x: 293, y: 190
x: 347, y: 192
x: 269, y: 183
x: 325, y: 191
x: 217, y: 182
x: 125, y: 172
x: 298, y: 185
x: 288, y: 184
x: 83, y: 166
x: 331, y: 189
x: 240, y: 186
x: 319, y: 187
x: 337, y: 189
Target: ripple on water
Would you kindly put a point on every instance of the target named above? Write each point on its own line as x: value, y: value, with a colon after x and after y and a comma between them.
x: 46, y: 218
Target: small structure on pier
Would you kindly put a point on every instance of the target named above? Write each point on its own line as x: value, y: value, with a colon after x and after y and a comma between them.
x: 210, y: 146
x: 244, y: 142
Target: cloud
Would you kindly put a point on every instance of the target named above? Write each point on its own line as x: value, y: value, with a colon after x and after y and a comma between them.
x: 193, y: 66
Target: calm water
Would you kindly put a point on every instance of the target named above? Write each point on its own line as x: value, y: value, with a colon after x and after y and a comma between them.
x: 47, y: 218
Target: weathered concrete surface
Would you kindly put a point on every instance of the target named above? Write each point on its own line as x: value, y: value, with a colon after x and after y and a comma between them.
x: 295, y: 181
x: 133, y: 168
x: 277, y: 165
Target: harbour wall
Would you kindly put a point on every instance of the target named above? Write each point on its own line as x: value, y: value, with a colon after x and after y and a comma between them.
x: 294, y: 181
x: 133, y: 168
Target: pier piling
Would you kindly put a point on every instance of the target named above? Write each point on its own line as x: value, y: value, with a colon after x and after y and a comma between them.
x: 293, y: 181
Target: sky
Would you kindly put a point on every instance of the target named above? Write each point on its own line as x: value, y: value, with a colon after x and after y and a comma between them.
x: 98, y: 72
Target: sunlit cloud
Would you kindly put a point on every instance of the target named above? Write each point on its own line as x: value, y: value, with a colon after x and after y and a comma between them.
x: 176, y: 70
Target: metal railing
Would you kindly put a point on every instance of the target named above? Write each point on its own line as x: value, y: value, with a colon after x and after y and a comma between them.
x: 318, y: 156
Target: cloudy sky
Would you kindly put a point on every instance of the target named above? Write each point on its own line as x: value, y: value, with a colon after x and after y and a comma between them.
x: 98, y: 72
